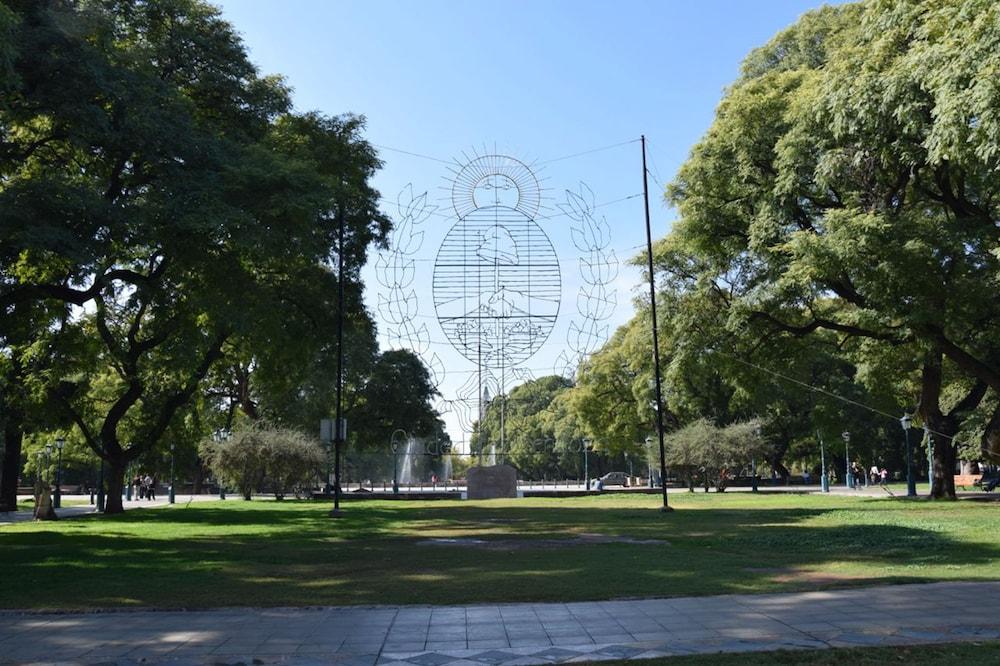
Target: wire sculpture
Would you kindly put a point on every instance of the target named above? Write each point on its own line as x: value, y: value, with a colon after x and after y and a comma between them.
x: 396, y: 271
x: 596, y: 300
x: 497, y: 281
x: 497, y: 285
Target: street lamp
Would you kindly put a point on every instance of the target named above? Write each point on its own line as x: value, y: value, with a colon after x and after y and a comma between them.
x: 930, y: 458
x: 586, y: 465
x: 911, y: 486
x: 649, y: 460
x: 57, y: 502
x: 847, y: 455
x: 170, y: 494
x: 221, y: 436
x: 824, y: 480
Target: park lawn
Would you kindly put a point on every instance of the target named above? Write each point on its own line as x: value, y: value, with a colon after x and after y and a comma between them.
x: 947, y: 654
x: 266, y: 553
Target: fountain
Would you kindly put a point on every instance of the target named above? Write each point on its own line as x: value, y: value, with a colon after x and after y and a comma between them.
x: 406, y: 468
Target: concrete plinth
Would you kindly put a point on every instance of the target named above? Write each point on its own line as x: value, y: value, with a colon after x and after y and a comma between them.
x: 492, y: 482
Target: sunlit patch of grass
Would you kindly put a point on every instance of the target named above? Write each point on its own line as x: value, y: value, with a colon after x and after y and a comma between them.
x: 292, y: 553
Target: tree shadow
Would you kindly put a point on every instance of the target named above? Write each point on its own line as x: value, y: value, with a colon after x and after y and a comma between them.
x: 378, y: 553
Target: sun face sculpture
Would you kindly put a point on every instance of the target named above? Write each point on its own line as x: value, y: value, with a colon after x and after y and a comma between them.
x: 497, y: 285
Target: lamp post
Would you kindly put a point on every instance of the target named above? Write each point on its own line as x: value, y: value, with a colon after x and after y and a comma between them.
x: 847, y: 455
x: 911, y: 486
x: 170, y: 494
x: 57, y: 501
x: 930, y: 458
x: 649, y: 460
x: 221, y: 436
x: 586, y: 465
x: 824, y: 479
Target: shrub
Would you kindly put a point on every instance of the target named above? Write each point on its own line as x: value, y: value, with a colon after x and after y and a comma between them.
x: 263, y: 457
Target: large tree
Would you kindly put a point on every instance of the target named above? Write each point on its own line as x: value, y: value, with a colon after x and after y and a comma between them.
x: 850, y: 185
x: 163, y: 195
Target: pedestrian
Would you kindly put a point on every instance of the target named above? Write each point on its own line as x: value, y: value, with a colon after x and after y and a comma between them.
x: 152, y: 489
x: 147, y: 483
x: 805, y: 477
x: 883, y: 476
x: 874, y: 475
x: 856, y: 474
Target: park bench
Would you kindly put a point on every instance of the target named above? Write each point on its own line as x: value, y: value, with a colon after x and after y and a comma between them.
x: 967, y: 480
x: 989, y: 481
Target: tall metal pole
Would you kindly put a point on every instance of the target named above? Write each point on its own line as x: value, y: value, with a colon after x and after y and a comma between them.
x: 824, y: 482
x: 337, y: 427
x: 171, y: 494
x: 930, y: 458
x: 848, y: 474
x: 656, y: 340
x: 911, y: 484
x: 58, y: 499
x: 479, y: 369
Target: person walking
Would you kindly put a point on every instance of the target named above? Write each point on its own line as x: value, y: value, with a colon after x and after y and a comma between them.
x: 883, y: 477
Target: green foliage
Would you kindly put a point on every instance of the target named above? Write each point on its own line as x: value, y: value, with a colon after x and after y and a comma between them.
x: 846, y: 195
x: 536, y: 439
x: 396, y: 393
x: 714, y: 453
x: 163, y: 206
x: 261, y: 457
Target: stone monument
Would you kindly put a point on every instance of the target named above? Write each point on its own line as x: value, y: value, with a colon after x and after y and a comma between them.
x: 492, y: 482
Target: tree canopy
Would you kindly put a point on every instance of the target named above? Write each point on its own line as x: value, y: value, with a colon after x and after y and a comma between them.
x: 848, y: 192
x: 163, y: 206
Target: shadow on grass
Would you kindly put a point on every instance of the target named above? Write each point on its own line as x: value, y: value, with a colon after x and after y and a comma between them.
x: 292, y: 554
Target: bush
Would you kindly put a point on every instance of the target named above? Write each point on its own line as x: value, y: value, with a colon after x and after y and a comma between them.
x: 716, y: 453
x: 262, y: 457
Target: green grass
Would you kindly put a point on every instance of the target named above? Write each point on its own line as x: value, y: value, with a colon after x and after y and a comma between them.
x: 291, y: 553
x: 987, y: 652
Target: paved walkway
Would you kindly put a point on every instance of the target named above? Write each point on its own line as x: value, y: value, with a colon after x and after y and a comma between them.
x: 80, y: 508
x: 510, y: 634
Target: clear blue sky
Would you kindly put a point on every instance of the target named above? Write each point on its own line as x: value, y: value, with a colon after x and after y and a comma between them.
x: 537, y: 80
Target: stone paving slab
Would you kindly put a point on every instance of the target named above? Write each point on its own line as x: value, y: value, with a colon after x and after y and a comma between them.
x: 508, y: 634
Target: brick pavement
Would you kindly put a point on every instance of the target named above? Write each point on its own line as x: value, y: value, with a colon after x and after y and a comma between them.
x: 509, y: 634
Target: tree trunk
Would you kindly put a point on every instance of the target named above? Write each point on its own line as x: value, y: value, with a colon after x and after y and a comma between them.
x: 943, y: 432
x: 114, y: 481
x: 199, y: 478
x: 10, y: 465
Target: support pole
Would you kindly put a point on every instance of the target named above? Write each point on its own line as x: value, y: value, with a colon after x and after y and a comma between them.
x: 479, y: 369
x: 337, y: 429
x: 656, y: 341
